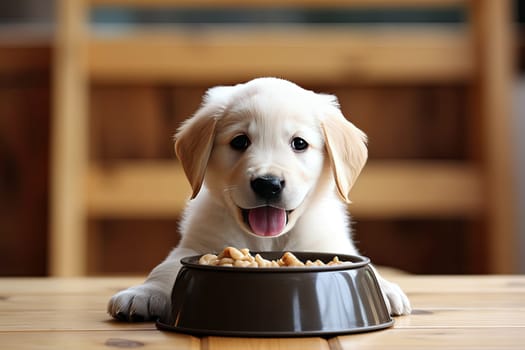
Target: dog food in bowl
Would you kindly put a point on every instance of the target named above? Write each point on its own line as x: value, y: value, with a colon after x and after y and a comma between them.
x: 231, y: 256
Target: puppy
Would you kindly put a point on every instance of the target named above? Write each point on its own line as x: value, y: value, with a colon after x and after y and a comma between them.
x: 270, y: 165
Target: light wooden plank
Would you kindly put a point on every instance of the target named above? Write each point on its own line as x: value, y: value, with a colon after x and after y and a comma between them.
x: 451, y: 338
x: 278, y: 3
x: 217, y: 343
x: 66, y: 286
x: 493, y: 20
x: 385, y: 189
x: 57, y: 319
x: 462, y: 284
x: 323, y: 55
x: 436, y: 300
x: 83, y: 303
x: 451, y: 317
x: 55, y: 304
x: 60, y: 312
x: 98, y: 340
x: 417, y: 189
x: 69, y: 143
x: 151, y: 189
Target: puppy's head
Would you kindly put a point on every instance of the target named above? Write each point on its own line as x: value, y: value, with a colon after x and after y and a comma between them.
x: 265, y: 148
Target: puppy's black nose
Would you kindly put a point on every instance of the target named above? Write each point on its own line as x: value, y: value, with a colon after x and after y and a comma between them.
x: 267, y: 186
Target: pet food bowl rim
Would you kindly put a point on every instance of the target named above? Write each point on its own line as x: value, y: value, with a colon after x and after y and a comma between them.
x: 357, y: 261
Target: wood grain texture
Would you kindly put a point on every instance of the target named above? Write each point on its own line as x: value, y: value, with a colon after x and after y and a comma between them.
x: 69, y: 146
x: 322, y: 55
x: 450, y: 312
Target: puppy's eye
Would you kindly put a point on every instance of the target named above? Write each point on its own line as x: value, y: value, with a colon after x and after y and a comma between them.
x: 299, y: 144
x: 240, y: 142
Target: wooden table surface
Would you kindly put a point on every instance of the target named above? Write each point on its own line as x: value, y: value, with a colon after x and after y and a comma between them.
x: 460, y: 312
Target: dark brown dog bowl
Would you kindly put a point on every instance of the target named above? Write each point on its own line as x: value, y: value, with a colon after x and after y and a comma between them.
x: 274, y: 302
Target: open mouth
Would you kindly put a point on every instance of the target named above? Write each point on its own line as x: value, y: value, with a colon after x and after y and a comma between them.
x: 266, y: 221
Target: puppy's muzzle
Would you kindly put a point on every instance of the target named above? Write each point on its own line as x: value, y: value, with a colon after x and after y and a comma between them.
x: 266, y: 220
x: 268, y: 187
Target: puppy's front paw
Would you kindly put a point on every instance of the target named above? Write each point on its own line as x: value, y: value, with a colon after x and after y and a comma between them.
x: 141, y: 303
x: 395, y: 299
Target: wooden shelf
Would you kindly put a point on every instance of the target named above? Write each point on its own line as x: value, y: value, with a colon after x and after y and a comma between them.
x: 389, y: 189
x: 341, y: 54
x: 385, y: 189
x: 137, y: 189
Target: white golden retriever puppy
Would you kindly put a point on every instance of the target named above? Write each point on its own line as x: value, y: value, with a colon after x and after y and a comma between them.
x: 271, y: 166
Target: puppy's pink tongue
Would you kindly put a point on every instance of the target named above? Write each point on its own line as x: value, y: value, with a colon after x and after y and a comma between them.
x: 267, y: 221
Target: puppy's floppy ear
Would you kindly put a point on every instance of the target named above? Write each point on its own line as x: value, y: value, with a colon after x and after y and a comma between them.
x: 345, y: 145
x: 194, y: 139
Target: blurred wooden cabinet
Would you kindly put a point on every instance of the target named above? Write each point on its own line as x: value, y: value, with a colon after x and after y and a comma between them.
x: 24, y: 152
x: 475, y: 55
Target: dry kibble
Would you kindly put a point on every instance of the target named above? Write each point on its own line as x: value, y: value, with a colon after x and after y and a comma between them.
x: 291, y: 260
x: 231, y: 256
x: 241, y: 263
x: 226, y: 261
x: 274, y: 264
x: 235, y: 253
x: 335, y: 261
x: 208, y: 259
x: 262, y: 262
x: 315, y: 263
